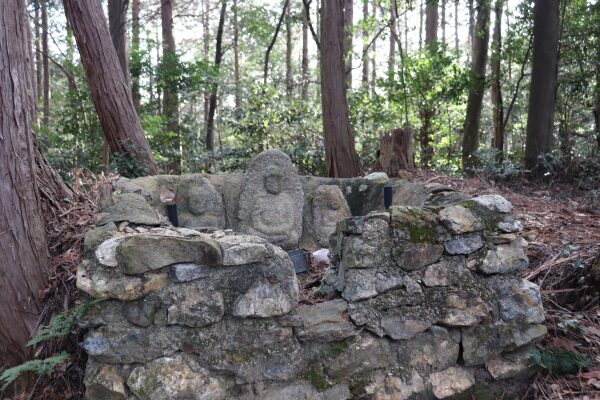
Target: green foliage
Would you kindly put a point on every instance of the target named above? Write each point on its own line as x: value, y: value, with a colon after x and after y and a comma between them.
x: 61, y: 324
x: 559, y: 361
x: 38, y: 367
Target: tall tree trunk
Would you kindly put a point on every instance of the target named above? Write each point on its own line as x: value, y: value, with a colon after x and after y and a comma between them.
x: 117, y: 23
x: 443, y: 22
x: 212, y: 107
x: 206, y: 49
x: 348, y: 36
x: 475, y: 100
x: 45, y: 64
x: 23, y: 248
x: 110, y: 93
x: 540, y: 116
x: 421, y: 16
x: 498, y: 108
x: 273, y: 40
x: 289, y: 84
x: 304, y: 94
x: 170, y: 95
x: 393, y: 39
x: 597, y: 106
x: 471, y: 30
x: 136, y: 68
x: 374, y: 50
x: 38, y: 54
x: 365, y: 49
x: 340, y: 154
x: 427, y: 113
x: 456, y: 42
x: 236, y: 56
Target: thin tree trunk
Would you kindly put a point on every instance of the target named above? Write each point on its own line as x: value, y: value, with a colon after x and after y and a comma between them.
x: 471, y: 30
x: 23, y: 248
x: 393, y: 39
x: 540, y: 116
x: 45, y: 64
x: 212, y: 107
x: 110, y: 93
x: 456, y: 43
x: 170, y: 95
x: 475, y: 100
x: 498, y: 109
x: 117, y: 23
x: 428, y: 112
x: 443, y: 22
x: 304, y: 94
x: 597, y: 107
x: 206, y: 49
x: 38, y: 54
x: 289, y: 84
x: 236, y: 57
x: 340, y: 154
x: 365, y: 41
x: 374, y: 50
x: 136, y: 68
x: 273, y: 40
x: 421, y: 16
x: 348, y: 36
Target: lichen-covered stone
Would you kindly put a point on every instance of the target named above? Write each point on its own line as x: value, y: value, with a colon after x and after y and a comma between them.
x: 97, y: 235
x: 520, y: 300
x: 463, y: 244
x: 106, y: 252
x: 301, y: 390
x: 265, y: 299
x: 141, y: 313
x: 196, y: 308
x: 130, y: 207
x: 371, y: 248
x: 176, y: 377
x: 413, y: 256
x: 451, y: 382
x: 414, y: 224
x: 494, y: 202
x: 362, y: 284
x: 458, y: 219
x: 106, y: 384
x: 444, y: 273
x: 141, y: 253
x: 271, y: 200
x: 242, y: 249
x: 505, y: 258
x: 325, y: 322
x: 398, y: 327
x: 186, y: 272
x: 202, y: 206
x: 364, y: 354
x: 511, y: 365
x: 510, y: 225
x: 389, y: 387
x: 433, y: 350
x: 464, y: 309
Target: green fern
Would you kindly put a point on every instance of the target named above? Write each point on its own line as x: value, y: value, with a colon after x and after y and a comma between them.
x: 61, y: 324
x: 38, y: 367
x: 559, y: 361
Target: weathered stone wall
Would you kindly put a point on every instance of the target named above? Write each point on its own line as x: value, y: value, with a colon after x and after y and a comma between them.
x: 421, y: 301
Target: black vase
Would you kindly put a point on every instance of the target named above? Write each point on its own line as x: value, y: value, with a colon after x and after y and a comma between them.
x: 172, y: 213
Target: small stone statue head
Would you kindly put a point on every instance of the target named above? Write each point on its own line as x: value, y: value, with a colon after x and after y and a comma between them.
x: 273, y: 180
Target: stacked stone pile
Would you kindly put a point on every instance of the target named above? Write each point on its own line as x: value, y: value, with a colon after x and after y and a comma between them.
x: 421, y: 301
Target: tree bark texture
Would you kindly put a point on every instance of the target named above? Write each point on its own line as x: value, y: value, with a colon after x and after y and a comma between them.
x: 348, y: 36
x: 236, y: 56
x: 443, y: 21
x: 117, y: 23
x: 540, y: 115
x: 396, y: 152
x: 212, y: 106
x: 304, y: 93
x: 393, y: 39
x: 365, y: 41
x: 289, y: 84
x: 170, y: 95
x: 136, y: 68
x: 340, y: 153
x: 597, y: 105
x: 475, y: 99
x: 110, y: 93
x: 497, y: 104
x: 431, y: 24
x: 45, y: 64
x: 38, y: 52
x: 23, y: 248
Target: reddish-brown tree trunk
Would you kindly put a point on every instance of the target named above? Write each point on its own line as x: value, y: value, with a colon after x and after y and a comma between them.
x: 396, y: 152
x: 236, y: 56
x: 289, y: 84
x: 475, y: 100
x: 340, y: 153
x: 23, y: 248
x: 540, y: 116
x: 365, y: 42
x: 117, y: 23
x: 498, y: 107
x: 45, y: 64
x: 304, y: 93
x: 135, y: 49
x: 110, y: 93
x: 348, y: 36
x: 212, y: 106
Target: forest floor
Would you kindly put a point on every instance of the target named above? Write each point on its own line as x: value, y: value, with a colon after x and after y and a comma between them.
x: 561, y: 224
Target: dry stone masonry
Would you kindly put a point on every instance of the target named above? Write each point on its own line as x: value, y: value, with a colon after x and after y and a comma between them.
x: 421, y: 301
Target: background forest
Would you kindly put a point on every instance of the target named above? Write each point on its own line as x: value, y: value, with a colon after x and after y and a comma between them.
x: 214, y: 82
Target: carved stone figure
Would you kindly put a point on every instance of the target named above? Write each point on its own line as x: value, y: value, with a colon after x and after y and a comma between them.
x: 202, y: 206
x: 329, y: 206
x: 271, y: 200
